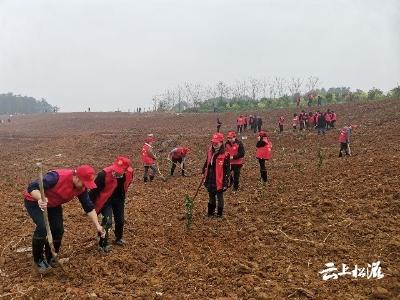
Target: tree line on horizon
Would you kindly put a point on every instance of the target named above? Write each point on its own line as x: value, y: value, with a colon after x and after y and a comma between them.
x: 17, y: 104
x: 276, y: 92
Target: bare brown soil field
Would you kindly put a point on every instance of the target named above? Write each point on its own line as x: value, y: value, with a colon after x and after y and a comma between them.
x: 273, y: 240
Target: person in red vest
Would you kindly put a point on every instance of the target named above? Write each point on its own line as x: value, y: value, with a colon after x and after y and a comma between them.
x: 109, y: 197
x: 178, y: 156
x: 333, y: 119
x: 281, y: 121
x: 239, y: 124
x: 295, y: 121
x: 60, y: 186
x: 310, y: 121
x: 302, y: 120
x: 344, y: 140
x: 263, y: 153
x: 236, y: 151
x: 149, y: 159
x: 328, y: 120
x: 216, y: 171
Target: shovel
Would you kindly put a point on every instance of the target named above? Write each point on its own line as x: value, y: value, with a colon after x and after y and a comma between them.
x: 180, y: 167
x: 46, y: 218
x: 159, y: 173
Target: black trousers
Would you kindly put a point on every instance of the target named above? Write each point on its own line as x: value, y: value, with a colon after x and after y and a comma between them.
x: 218, y: 127
x: 280, y: 128
x: 177, y: 161
x: 216, y: 199
x: 259, y: 127
x: 39, y: 238
x: 263, y: 170
x: 239, y: 128
x: 344, y: 147
x: 235, y: 175
x: 55, y: 219
x: 151, y: 174
x: 116, y: 207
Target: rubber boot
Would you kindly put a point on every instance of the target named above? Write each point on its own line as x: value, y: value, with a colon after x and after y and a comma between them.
x: 40, y: 263
x: 103, y: 245
x: 211, y: 210
x: 119, y: 230
x: 151, y: 178
x: 145, y: 179
x: 220, y: 211
x: 49, y: 256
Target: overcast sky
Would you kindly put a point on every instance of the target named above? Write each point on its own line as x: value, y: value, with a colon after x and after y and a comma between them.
x: 110, y: 54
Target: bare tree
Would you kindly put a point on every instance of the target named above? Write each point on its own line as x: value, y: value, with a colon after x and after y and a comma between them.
x: 295, y: 85
x: 281, y: 86
x: 155, y: 103
x: 193, y: 92
x: 312, y: 83
x: 264, y: 87
x: 255, y: 88
x: 272, y: 89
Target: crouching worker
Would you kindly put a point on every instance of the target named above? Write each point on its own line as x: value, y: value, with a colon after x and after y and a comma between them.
x: 109, y: 198
x: 263, y: 153
x: 178, y: 156
x: 216, y: 172
x: 60, y: 186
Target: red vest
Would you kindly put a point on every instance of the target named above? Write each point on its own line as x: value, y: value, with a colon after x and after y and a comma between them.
x: 343, y: 136
x: 233, y: 150
x: 146, y: 158
x: 295, y: 121
x: 281, y: 121
x: 219, y: 168
x: 178, y: 153
x: 240, y: 121
x: 63, y: 192
x: 333, y: 117
x: 265, y: 151
x: 328, y: 117
x: 109, y: 187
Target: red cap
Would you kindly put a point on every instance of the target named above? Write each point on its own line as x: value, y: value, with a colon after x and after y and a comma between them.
x: 262, y: 134
x: 121, y: 164
x: 231, y: 134
x: 149, y: 139
x: 217, y: 138
x: 86, y: 174
x: 185, y: 150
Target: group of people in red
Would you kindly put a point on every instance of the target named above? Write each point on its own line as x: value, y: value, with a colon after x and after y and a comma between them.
x: 102, y: 194
x: 321, y: 121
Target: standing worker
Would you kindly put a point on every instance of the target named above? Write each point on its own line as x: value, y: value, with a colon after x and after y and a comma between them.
x: 239, y: 124
x: 236, y: 151
x: 263, y: 153
x: 60, y: 186
x: 216, y: 171
x: 178, y: 156
x: 245, y: 122
x: 259, y: 123
x: 149, y: 159
x: 109, y: 197
x: 344, y: 140
x: 281, y: 121
x: 219, y: 124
